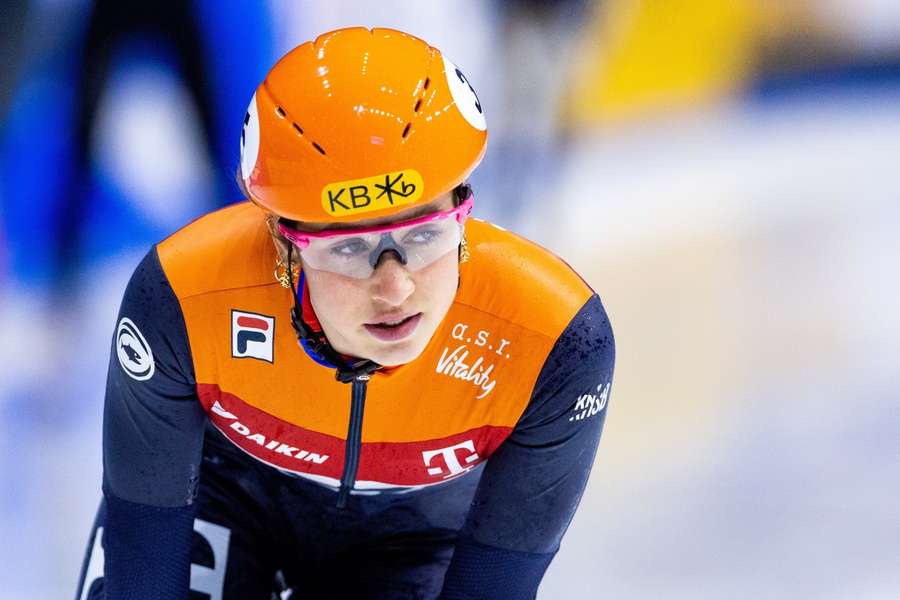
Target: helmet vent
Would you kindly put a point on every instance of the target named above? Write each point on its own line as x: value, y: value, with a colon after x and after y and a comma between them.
x: 406, y: 129
x: 418, y: 105
x: 281, y: 113
x: 427, y: 82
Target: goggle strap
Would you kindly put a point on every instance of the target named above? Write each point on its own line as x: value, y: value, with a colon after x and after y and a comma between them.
x: 462, y: 192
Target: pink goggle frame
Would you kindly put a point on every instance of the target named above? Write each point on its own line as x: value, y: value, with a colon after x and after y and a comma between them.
x: 302, y: 239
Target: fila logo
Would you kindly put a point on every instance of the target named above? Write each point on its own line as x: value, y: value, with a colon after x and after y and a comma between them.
x: 252, y: 336
x: 452, y: 466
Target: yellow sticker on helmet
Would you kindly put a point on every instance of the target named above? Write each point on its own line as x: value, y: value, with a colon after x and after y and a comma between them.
x: 372, y: 193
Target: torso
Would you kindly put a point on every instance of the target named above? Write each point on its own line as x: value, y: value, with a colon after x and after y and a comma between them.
x: 424, y: 422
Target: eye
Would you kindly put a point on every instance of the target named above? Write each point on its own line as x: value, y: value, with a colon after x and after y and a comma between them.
x: 423, y: 235
x: 349, y: 248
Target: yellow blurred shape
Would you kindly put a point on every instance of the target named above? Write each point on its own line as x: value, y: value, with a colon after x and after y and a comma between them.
x: 704, y: 324
x: 641, y: 56
x: 675, y: 310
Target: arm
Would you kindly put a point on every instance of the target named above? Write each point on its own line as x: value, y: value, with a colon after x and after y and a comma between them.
x: 152, y: 441
x: 532, y: 485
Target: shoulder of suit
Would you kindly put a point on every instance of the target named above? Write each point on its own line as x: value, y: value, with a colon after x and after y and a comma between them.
x: 517, y: 280
x: 227, y: 249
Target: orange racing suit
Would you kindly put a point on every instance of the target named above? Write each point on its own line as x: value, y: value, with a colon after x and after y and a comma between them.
x: 496, y: 423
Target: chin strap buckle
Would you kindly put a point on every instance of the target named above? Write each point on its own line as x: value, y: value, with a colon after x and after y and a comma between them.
x: 360, y: 370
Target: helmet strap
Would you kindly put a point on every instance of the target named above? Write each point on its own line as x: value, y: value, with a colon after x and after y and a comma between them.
x: 316, y: 343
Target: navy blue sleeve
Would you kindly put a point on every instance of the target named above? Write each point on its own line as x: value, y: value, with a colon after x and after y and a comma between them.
x: 152, y: 420
x: 152, y: 441
x: 532, y: 485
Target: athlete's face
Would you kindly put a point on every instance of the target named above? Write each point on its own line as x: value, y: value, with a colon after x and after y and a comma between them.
x: 389, y: 317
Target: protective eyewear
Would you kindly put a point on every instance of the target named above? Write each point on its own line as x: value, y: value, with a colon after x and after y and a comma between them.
x: 356, y: 252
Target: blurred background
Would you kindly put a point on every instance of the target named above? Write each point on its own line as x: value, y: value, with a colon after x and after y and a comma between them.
x: 723, y: 172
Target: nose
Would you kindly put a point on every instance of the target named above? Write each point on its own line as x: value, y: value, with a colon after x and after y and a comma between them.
x: 391, y: 282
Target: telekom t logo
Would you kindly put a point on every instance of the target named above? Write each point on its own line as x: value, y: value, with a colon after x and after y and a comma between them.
x: 451, y: 460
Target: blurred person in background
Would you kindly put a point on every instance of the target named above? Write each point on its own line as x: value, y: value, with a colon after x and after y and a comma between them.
x: 86, y: 105
x: 11, y: 55
x: 114, y: 121
x: 11, y: 45
x: 434, y: 429
x: 536, y: 39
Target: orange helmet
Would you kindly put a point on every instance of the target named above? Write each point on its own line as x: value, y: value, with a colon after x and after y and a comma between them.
x: 357, y: 124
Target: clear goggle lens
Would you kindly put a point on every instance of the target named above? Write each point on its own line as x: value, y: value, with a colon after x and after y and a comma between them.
x: 355, y: 253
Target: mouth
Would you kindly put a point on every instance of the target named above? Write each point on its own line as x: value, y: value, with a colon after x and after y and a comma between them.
x: 394, y: 330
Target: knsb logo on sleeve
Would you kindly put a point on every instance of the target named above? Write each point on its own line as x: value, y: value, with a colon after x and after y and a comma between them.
x: 252, y: 336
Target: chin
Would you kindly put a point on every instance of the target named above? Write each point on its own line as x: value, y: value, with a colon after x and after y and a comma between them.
x: 399, y: 354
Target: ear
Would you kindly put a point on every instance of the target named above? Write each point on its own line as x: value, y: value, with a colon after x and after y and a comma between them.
x: 281, y: 244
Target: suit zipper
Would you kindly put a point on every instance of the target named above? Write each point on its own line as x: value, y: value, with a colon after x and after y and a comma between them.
x: 354, y: 438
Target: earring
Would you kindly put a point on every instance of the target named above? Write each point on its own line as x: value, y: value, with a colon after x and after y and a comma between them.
x: 283, y: 277
x: 464, y: 254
